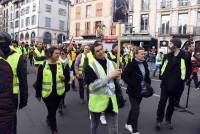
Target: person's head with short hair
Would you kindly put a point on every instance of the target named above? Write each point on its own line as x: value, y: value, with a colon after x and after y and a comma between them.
x: 175, y: 43
x: 98, y: 50
x: 53, y: 53
x: 190, y: 46
x: 115, y: 48
x: 15, y: 43
x: 86, y: 49
x: 5, y: 41
x: 139, y: 53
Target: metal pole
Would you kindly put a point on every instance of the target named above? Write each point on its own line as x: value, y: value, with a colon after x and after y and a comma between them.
x: 119, y: 46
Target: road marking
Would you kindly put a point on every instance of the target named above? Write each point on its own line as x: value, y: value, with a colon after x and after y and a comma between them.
x: 155, y: 80
x: 156, y: 95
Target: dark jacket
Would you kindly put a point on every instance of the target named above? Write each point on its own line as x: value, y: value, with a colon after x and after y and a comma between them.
x: 132, y: 76
x: 7, y: 104
x: 171, y: 78
x: 23, y: 84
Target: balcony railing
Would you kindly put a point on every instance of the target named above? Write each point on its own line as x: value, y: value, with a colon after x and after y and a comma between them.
x: 197, y: 30
x: 2, y: 2
x: 182, y: 30
x: 165, y: 4
x: 183, y: 3
x: 164, y: 31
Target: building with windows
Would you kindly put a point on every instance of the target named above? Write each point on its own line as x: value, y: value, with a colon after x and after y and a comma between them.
x: 150, y: 22
x: 1, y: 18
x: 92, y: 19
x: 36, y: 20
x: 180, y: 18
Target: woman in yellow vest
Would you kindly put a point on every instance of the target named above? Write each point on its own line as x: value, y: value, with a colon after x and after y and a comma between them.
x: 67, y: 65
x: 51, y: 80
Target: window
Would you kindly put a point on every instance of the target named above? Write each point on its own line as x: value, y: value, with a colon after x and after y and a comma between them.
x: 145, y: 5
x: 99, y: 7
x: 27, y: 10
x: 182, y: 23
x: 87, y: 28
x: 22, y: 23
x: 63, y: 2
x: 28, y: 1
x: 11, y: 25
x: 61, y: 25
x: 129, y: 26
x: 47, y: 22
x: 23, y: 2
x: 88, y: 11
x: 130, y: 5
x: 165, y: 24
x: 166, y: 3
x: 183, y: 2
x: 33, y: 20
x: 144, y: 22
x: 27, y: 21
x: 113, y: 29
x: 77, y: 29
x: 198, y: 24
x: 62, y: 12
x: 17, y: 14
x: 17, y: 24
x: 48, y: 8
x: 23, y: 11
x: 78, y: 12
x: 50, y: 0
x: 34, y: 7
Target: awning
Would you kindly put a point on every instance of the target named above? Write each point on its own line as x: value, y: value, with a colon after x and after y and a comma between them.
x: 136, y: 38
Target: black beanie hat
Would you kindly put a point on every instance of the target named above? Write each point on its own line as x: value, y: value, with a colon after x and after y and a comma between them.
x: 114, y: 45
x: 177, y: 42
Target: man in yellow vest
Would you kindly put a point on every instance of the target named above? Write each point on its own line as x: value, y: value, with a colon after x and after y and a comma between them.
x: 173, y: 74
x: 14, y: 46
x: 100, y: 76
x: 78, y: 67
x: 38, y: 55
x: 19, y: 69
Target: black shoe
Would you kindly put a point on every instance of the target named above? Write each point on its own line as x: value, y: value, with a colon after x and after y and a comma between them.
x: 158, y: 125
x: 169, y: 125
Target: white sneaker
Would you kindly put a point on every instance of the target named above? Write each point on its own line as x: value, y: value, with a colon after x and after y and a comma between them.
x: 103, y: 119
x: 129, y: 128
x: 136, y: 133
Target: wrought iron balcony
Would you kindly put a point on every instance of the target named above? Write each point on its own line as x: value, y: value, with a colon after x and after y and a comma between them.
x: 164, y: 31
x: 197, y: 30
x: 165, y: 4
x: 2, y: 2
x: 182, y: 30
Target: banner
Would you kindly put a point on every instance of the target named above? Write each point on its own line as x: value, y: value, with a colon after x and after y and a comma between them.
x: 120, y: 11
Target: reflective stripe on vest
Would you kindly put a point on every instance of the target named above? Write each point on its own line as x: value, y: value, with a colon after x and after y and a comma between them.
x: 99, y: 98
x: 13, y: 61
x: 112, y: 56
x: 39, y: 54
x: 80, y: 67
x: 182, y: 67
x: 47, y: 82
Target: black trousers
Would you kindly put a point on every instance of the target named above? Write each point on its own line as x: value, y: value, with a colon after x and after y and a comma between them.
x: 52, y: 105
x: 6, y: 127
x: 81, y: 88
x: 134, y: 112
x: 14, y: 125
x: 166, y: 95
x: 195, y: 78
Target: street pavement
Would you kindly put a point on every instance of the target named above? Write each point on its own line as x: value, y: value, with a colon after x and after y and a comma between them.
x: 32, y: 119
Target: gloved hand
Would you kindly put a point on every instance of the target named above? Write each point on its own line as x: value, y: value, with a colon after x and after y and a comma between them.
x: 22, y: 105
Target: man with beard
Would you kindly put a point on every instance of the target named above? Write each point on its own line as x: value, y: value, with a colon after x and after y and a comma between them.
x: 173, y: 74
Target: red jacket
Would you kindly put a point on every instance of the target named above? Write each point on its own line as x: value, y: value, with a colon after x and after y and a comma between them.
x: 194, y: 69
